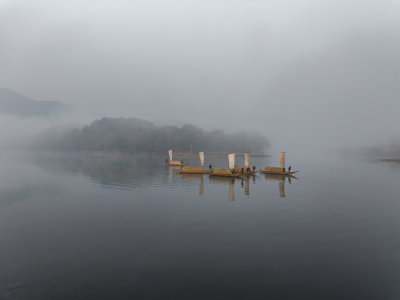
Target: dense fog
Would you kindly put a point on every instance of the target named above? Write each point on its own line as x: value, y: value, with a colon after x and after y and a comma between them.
x: 307, y: 75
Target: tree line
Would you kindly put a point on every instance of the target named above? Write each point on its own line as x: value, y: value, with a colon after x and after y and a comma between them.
x: 132, y: 135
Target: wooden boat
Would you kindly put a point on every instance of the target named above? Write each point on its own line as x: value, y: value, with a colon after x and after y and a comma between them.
x: 195, y: 169
x: 223, y: 173
x: 277, y: 171
x: 281, y: 170
x: 174, y: 163
x: 226, y: 172
x: 246, y: 168
x: 238, y: 169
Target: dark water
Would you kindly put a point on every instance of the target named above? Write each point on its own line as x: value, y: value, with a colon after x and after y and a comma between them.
x: 84, y: 227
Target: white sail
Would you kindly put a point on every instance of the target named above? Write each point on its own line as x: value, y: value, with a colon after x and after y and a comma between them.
x: 231, y: 158
x: 170, y: 154
x: 201, y: 154
x: 246, y: 159
x: 282, y: 160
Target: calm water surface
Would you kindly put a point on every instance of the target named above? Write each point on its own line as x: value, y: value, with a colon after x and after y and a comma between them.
x: 87, y: 227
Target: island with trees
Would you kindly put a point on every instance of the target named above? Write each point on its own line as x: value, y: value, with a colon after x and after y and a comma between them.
x: 133, y: 135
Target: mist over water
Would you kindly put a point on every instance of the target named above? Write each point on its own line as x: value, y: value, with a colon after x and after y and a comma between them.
x: 128, y: 227
x: 103, y: 218
x: 303, y: 74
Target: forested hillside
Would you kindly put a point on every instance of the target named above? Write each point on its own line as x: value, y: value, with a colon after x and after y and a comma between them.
x: 132, y: 135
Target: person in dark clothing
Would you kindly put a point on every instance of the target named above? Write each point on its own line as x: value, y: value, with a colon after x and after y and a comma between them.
x: 290, y: 167
x: 166, y: 161
x: 248, y: 169
x: 242, y: 170
x: 210, y: 167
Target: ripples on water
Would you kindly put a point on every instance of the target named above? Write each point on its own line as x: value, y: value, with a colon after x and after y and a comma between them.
x: 108, y: 227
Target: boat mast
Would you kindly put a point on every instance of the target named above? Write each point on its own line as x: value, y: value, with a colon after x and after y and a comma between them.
x: 170, y: 154
x: 246, y: 159
x: 231, y: 159
x: 201, y: 154
x: 282, y: 160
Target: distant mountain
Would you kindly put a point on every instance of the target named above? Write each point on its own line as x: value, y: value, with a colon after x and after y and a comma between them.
x: 13, y: 103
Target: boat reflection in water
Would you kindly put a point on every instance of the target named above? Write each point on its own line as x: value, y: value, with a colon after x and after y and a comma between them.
x: 246, y: 185
x: 195, y: 177
x: 172, y: 171
x: 281, y: 179
x: 231, y: 184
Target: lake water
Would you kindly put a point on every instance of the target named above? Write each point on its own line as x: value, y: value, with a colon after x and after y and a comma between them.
x: 106, y: 227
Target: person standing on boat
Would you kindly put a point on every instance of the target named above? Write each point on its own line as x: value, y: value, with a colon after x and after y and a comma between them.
x: 166, y: 161
x: 290, y: 167
x: 254, y: 168
x: 242, y: 170
x: 210, y: 167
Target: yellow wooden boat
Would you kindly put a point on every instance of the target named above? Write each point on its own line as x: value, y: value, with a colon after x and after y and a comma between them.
x: 279, y: 170
x: 245, y: 171
x: 227, y: 172
x: 238, y: 169
x: 195, y: 169
x: 174, y: 163
x: 223, y: 173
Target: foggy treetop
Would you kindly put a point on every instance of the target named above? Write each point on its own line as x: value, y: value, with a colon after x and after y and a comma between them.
x: 132, y: 135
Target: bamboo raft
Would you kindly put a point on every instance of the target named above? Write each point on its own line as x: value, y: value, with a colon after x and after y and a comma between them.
x: 175, y: 163
x: 193, y: 170
x: 238, y: 169
x: 277, y: 171
x: 223, y: 173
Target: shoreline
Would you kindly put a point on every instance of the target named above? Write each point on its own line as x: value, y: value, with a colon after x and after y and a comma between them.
x: 119, y: 153
x: 396, y: 160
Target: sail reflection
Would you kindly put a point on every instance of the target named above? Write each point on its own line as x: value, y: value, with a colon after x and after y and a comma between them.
x: 281, y: 181
x: 195, y: 177
x: 226, y: 180
x: 231, y: 191
x: 146, y: 171
x: 246, y: 186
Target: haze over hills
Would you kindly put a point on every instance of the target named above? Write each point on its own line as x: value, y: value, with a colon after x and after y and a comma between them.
x: 16, y: 104
x: 133, y: 135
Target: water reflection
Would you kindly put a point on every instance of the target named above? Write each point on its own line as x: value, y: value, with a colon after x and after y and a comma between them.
x: 195, y: 177
x: 171, y: 172
x: 79, y: 244
x: 281, y: 181
x: 122, y: 172
x: 145, y: 171
x: 230, y: 181
x: 231, y: 191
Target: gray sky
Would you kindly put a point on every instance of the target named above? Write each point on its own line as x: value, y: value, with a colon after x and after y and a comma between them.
x: 314, y: 74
